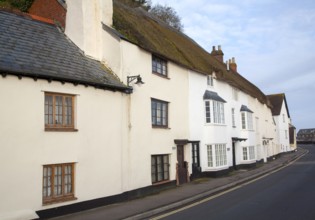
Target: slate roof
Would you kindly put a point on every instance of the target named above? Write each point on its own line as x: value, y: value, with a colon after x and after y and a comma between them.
x: 151, y: 34
x: 40, y: 50
x: 244, y: 108
x: 276, y: 101
x: 212, y: 95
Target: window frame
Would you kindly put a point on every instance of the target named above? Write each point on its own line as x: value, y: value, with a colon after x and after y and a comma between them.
x: 249, y: 153
x: 64, y: 196
x: 235, y: 92
x: 164, y: 168
x: 161, y: 70
x: 216, y: 155
x: 233, y: 117
x: 155, y: 113
x: 214, y: 112
x: 210, y: 80
x: 63, y: 126
x: 247, y: 120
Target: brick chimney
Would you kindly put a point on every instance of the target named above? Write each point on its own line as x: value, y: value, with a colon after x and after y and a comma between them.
x: 54, y: 10
x: 218, y: 54
x: 232, y: 65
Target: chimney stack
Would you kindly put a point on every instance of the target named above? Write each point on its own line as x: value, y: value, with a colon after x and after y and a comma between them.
x: 233, y: 65
x: 218, y: 54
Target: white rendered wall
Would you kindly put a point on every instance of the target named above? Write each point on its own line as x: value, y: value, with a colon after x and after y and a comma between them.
x: 96, y: 148
x: 144, y: 140
x: 282, y: 127
x: 84, y: 24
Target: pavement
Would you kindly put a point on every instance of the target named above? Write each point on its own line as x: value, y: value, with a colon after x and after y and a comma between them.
x: 144, y: 208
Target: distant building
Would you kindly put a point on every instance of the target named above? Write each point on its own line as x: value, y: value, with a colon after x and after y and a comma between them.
x: 306, y: 136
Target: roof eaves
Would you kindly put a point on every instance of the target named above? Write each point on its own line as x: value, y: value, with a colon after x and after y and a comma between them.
x: 109, y: 87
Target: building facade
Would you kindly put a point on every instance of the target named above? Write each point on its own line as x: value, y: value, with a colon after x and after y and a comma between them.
x: 116, y: 106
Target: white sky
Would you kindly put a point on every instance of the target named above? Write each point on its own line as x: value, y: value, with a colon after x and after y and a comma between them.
x: 273, y: 42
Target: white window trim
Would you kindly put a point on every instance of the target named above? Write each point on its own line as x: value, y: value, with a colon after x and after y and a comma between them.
x: 210, y: 81
x: 218, y: 157
x: 250, y: 153
x: 248, y: 121
x: 217, y: 112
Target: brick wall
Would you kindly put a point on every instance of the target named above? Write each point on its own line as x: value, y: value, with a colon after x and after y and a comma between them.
x: 51, y: 9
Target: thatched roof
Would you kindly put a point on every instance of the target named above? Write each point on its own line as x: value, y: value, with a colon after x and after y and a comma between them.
x: 277, y: 101
x: 153, y: 35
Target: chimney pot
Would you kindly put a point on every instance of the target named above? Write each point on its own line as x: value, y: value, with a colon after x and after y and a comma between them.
x: 232, y: 64
x: 218, y: 54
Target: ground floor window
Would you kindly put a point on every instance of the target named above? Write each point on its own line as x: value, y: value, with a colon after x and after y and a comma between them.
x: 58, y: 183
x: 216, y: 155
x: 160, y: 168
x: 249, y: 153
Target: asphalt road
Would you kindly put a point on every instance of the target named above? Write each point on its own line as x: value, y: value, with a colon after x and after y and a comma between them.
x: 288, y: 194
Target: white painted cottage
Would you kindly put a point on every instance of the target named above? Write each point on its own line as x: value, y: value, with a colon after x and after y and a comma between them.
x: 117, y: 106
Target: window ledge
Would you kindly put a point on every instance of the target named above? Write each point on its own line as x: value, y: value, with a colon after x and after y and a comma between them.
x: 161, y: 75
x: 62, y: 129
x: 212, y: 124
x: 160, y: 127
x: 161, y: 183
x: 59, y: 200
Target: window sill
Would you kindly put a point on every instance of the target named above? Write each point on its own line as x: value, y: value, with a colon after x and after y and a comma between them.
x: 160, y: 75
x: 59, y: 200
x: 160, y: 127
x: 161, y: 183
x: 213, y: 124
x: 62, y: 129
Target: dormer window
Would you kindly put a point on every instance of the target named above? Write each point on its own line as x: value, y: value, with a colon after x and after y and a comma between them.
x: 159, y: 66
x: 210, y: 80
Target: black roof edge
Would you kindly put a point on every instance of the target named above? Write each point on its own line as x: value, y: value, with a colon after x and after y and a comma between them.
x: 112, y: 88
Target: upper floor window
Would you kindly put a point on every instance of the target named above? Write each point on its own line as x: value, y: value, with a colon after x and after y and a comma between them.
x: 58, y: 183
x: 235, y: 93
x: 214, y: 108
x: 210, y: 80
x: 159, y: 112
x: 159, y: 66
x: 233, y: 117
x: 247, y: 118
x: 59, y: 111
x: 214, y: 112
x: 283, y: 116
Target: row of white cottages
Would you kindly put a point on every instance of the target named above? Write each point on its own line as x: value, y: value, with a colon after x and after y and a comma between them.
x: 79, y: 129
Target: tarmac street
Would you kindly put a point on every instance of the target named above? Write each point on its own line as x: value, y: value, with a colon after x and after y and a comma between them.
x: 287, y: 194
x: 281, y: 184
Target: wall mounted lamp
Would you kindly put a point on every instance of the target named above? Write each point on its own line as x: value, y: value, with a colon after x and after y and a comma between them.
x: 133, y: 78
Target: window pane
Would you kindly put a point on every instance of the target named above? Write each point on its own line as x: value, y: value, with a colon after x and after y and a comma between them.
x: 58, y: 181
x: 68, y: 110
x: 68, y: 179
x: 210, y: 160
x: 47, y: 182
x: 48, y: 109
x: 159, y: 113
x: 208, y: 113
x: 243, y: 120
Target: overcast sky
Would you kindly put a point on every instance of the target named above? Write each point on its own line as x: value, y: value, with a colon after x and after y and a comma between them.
x: 273, y: 42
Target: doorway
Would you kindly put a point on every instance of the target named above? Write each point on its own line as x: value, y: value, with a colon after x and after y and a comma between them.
x: 182, y: 167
